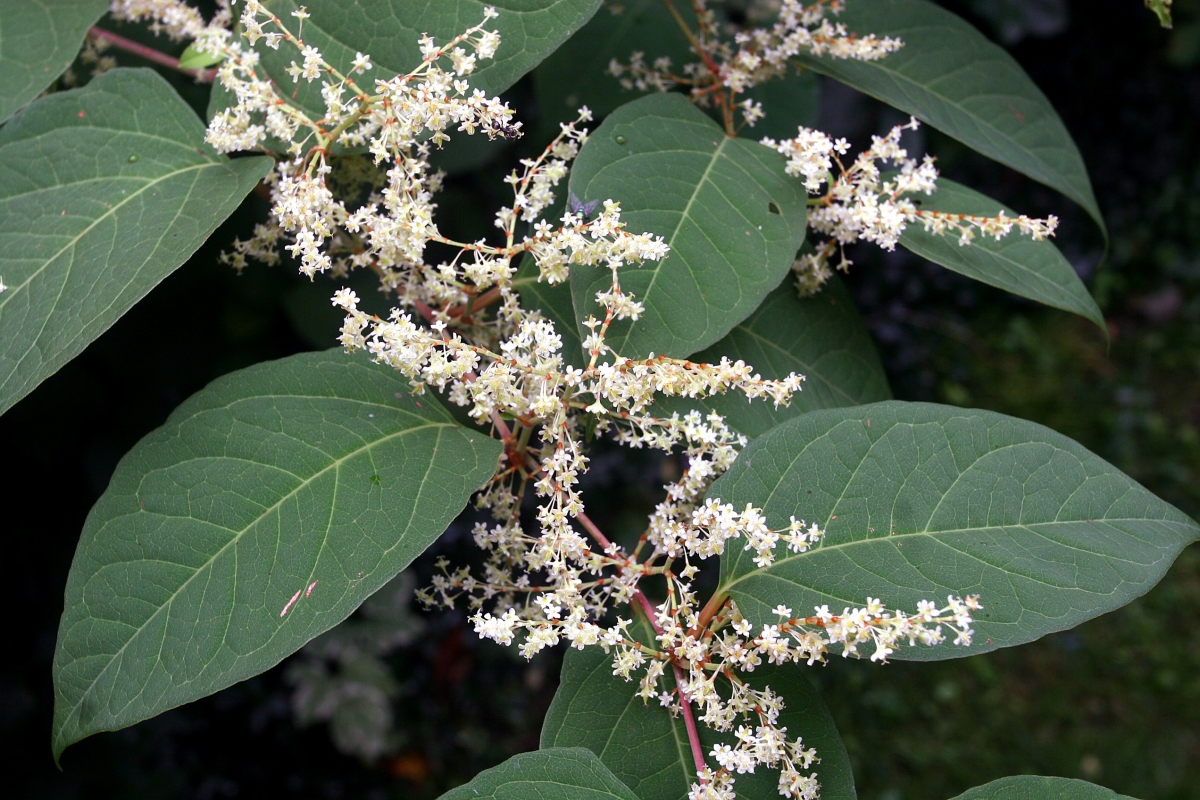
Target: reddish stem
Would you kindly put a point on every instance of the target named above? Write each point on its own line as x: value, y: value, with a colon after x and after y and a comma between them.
x: 649, y: 609
x: 710, y: 610
x: 149, y: 53
x: 591, y: 528
x: 689, y: 722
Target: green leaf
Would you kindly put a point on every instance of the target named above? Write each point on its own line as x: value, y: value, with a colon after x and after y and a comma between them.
x: 1016, y: 263
x: 388, y: 31
x: 732, y: 218
x: 920, y: 501
x: 558, y: 774
x: 1162, y: 10
x: 951, y: 77
x: 104, y: 191
x: 577, y: 73
x: 821, y: 337
x: 38, y: 40
x: 648, y: 749
x: 1035, y: 787
x: 197, y: 59
x: 264, y: 511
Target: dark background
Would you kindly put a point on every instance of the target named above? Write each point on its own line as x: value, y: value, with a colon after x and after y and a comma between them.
x: 1116, y: 701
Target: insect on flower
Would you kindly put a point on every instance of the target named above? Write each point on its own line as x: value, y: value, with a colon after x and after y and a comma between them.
x: 584, y: 210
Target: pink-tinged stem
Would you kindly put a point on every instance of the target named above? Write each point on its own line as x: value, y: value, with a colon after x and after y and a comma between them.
x: 591, y: 528
x: 604, y: 542
x: 149, y: 53
x: 649, y: 609
x: 689, y: 722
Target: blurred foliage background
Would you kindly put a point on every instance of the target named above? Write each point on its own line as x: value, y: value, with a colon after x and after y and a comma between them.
x: 403, y: 705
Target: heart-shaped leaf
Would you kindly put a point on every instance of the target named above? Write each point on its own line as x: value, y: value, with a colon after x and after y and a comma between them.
x: 919, y: 501
x: 821, y: 337
x: 265, y: 510
x: 732, y: 218
x: 38, y: 40
x: 563, y: 773
x: 104, y: 191
x: 950, y: 76
x: 1016, y: 263
x: 648, y: 749
x: 1036, y: 787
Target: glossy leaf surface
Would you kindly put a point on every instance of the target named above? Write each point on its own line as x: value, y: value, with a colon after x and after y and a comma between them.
x: 1036, y: 787
x: 38, y: 41
x: 558, y: 774
x: 648, y: 749
x: 265, y: 510
x: 950, y: 76
x: 1016, y: 263
x: 921, y: 501
x: 733, y: 221
x: 821, y: 337
x: 104, y: 191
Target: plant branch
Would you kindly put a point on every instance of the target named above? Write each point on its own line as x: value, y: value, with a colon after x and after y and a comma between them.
x: 591, y: 528
x: 689, y: 722
x: 149, y: 53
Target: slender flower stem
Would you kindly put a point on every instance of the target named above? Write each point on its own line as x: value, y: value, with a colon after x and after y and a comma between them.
x: 710, y: 610
x: 689, y: 722
x: 149, y: 53
x: 640, y: 597
x: 591, y: 528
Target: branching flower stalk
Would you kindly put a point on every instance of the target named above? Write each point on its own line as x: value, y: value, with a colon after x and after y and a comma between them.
x: 861, y: 203
x: 460, y: 329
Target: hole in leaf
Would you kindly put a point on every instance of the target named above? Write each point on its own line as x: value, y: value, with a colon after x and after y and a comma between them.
x: 774, y: 208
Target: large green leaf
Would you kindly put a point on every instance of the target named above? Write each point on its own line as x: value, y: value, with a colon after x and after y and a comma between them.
x: 388, y: 31
x: 559, y: 774
x: 821, y: 337
x: 38, y: 40
x: 577, y: 73
x: 264, y: 511
x: 921, y: 501
x: 733, y: 220
x: 648, y: 749
x: 1016, y: 263
x: 1035, y: 787
x: 104, y: 191
x: 950, y: 76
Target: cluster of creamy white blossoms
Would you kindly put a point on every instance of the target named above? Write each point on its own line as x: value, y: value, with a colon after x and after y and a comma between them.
x: 461, y: 329
x: 729, y: 65
x: 861, y: 203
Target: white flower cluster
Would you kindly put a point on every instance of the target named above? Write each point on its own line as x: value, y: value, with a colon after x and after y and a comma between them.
x: 461, y: 330
x: 865, y: 204
x: 763, y: 53
x: 175, y: 18
x: 734, y: 60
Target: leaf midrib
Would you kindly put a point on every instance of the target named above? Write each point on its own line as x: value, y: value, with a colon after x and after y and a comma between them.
x: 935, y: 534
x: 335, y: 464
x: 14, y: 290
